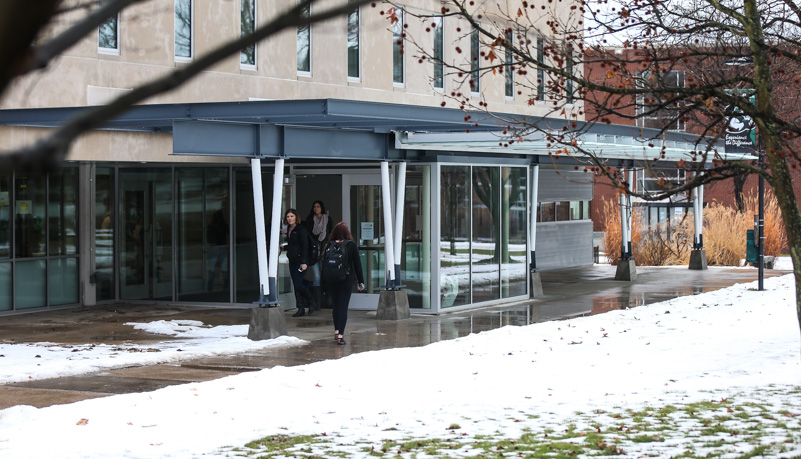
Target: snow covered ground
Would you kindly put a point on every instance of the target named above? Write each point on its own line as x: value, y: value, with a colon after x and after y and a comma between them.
x: 735, y: 345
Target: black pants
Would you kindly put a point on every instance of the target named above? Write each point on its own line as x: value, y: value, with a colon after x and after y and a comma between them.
x: 340, y: 298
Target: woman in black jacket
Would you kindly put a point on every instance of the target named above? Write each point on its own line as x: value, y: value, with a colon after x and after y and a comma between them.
x: 297, y: 251
x: 340, y: 291
x: 319, y: 223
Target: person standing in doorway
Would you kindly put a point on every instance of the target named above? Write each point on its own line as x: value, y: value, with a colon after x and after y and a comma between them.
x: 297, y: 251
x: 320, y: 225
x: 341, y: 266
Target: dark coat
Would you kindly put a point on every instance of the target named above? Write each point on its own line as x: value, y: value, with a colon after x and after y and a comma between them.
x: 297, y: 249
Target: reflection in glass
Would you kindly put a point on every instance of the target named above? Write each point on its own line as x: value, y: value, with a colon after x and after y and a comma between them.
x: 5, y: 216
x: 353, y: 43
x: 454, y: 236
x: 416, y: 253
x: 563, y: 211
x: 247, y: 56
x: 62, y: 215
x: 29, y: 202
x: 515, y: 230
x: 191, y: 231
x: 5, y: 286
x: 107, y: 34
x: 397, y: 49
x: 63, y: 278
x: 366, y: 208
x: 475, y: 64
x: 183, y: 28
x: 547, y: 212
x: 217, y: 208
x: 509, y: 87
x: 104, y: 234
x: 30, y: 284
x: 439, y: 53
x: 485, y: 252
x: 304, y: 44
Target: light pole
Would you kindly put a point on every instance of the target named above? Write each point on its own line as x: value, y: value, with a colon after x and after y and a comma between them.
x: 761, y: 224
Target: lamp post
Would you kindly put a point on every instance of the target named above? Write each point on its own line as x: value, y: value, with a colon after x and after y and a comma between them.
x: 761, y: 224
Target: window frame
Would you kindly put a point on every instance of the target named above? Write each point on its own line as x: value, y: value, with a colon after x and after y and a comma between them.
x: 399, y: 58
x: 191, y: 32
x: 357, y: 12
x: 242, y: 33
x: 116, y: 49
x: 308, y: 28
x: 679, y: 125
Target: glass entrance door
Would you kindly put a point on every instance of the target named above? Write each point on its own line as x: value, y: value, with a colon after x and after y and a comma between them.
x: 364, y: 212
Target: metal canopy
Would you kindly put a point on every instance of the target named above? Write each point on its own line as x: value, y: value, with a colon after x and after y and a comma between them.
x: 347, y: 129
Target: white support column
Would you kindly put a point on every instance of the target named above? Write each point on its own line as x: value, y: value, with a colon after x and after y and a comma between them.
x: 701, y: 216
x: 275, y: 227
x: 630, y: 209
x: 400, y: 198
x: 386, y: 194
x: 535, y: 183
x: 261, y: 237
x: 696, y: 214
x: 623, y: 226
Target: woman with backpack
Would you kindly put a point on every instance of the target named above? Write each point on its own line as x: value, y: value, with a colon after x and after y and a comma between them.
x: 340, y: 267
x: 320, y: 225
x: 297, y: 251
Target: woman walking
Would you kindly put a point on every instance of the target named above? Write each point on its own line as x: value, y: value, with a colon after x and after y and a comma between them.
x: 341, y: 266
x: 320, y: 225
x: 297, y: 248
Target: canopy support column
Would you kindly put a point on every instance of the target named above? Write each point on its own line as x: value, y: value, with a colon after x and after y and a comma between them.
x: 267, y: 321
x: 698, y: 254
x: 626, y: 267
x: 393, y: 301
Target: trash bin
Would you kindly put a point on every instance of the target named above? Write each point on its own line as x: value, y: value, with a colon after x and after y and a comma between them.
x: 751, y: 252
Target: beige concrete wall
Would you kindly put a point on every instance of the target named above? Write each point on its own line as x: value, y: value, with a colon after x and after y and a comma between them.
x: 84, y: 75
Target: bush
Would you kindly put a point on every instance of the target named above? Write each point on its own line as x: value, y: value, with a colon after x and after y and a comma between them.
x: 612, y: 235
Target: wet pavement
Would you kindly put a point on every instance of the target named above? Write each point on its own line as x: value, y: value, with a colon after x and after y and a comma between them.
x: 568, y: 293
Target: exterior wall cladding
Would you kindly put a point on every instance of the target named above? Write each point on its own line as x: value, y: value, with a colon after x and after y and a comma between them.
x: 88, y: 75
x: 721, y: 192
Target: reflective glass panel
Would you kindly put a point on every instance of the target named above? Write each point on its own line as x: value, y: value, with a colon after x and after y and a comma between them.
x: 367, y: 227
x: 454, y: 246
x: 398, y: 71
x: 29, y: 218
x: 246, y: 266
x: 191, y: 234
x: 475, y: 76
x: 5, y: 286
x: 218, y: 231
x: 416, y: 261
x: 62, y: 215
x: 486, y: 249
x: 439, y: 52
x: 5, y: 216
x: 247, y: 56
x: 304, y: 45
x: 183, y: 28
x: 63, y: 277
x: 353, y: 44
x: 514, y: 225
x: 107, y: 34
x: 104, y: 234
x: 30, y: 284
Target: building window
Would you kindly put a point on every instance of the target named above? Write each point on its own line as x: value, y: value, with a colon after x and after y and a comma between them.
x: 509, y: 70
x: 475, y: 62
x: 569, y: 97
x: 653, y: 110
x: 540, y: 69
x: 353, y: 44
x: 653, y: 181
x: 183, y: 29
x: 108, y: 38
x: 304, y: 45
x: 439, y: 53
x: 398, y: 67
x: 247, y: 25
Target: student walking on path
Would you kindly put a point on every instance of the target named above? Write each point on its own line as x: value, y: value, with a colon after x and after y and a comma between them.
x: 341, y: 266
x: 297, y: 251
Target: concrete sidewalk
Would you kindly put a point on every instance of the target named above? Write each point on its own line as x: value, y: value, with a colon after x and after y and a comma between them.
x: 568, y: 293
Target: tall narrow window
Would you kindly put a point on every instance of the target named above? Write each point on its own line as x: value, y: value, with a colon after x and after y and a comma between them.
x: 509, y: 70
x: 475, y: 63
x: 439, y: 53
x: 540, y: 69
x: 569, y: 83
x: 353, y: 44
x: 398, y: 70
x: 108, y: 35
x: 183, y: 29
x: 247, y: 25
x: 304, y: 45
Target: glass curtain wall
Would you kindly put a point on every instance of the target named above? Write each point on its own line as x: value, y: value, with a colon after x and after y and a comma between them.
x: 416, y: 261
x: 38, y: 239
x: 104, y: 234
x: 483, y: 234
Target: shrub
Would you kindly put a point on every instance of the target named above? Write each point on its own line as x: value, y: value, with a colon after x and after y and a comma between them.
x: 612, y: 234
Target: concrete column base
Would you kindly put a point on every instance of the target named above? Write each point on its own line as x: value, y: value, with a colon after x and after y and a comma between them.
x: 626, y: 270
x: 266, y: 323
x: 393, y: 305
x: 535, y: 288
x: 698, y: 259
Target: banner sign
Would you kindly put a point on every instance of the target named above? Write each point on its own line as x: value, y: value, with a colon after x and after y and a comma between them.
x: 741, y: 131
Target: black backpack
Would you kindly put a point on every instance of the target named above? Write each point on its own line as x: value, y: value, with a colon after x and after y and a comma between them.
x: 314, y: 249
x: 336, y: 265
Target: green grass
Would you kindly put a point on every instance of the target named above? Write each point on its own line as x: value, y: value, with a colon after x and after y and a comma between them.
x: 714, y: 428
